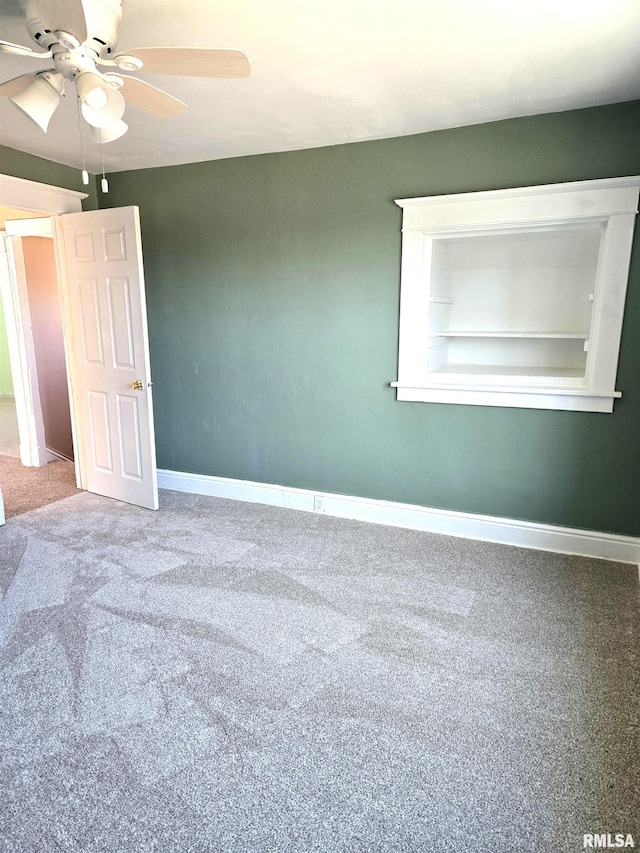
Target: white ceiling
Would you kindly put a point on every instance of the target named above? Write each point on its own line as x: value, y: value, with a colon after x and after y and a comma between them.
x: 326, y: 72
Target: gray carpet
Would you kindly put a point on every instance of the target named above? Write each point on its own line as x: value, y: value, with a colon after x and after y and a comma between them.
x: 221, y: 676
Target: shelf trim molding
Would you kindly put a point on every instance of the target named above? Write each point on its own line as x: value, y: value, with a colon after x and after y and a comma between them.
x: 518, y: 397
x: 538, y: 189
x: 544, y: 204
x: 563, y: 336
x: 524, y: 389
x: 505, y: 531
x: 428, y: 338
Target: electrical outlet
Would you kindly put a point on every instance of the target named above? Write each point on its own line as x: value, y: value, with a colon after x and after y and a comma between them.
x: 318, y: 503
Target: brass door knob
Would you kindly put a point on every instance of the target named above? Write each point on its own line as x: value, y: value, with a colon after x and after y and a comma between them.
x: 137, y: 385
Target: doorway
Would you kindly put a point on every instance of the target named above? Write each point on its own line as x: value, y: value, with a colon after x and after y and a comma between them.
x: 35, y: 264
x: 27, y: 488
x: 99, y: 265
x: 34, y: 335
x: 27, y: 200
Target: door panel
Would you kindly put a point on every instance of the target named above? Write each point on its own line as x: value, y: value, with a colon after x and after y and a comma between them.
x: 98, y: 408
x: 121, y: 327
x: 109, y: 353
x: 90, y: 321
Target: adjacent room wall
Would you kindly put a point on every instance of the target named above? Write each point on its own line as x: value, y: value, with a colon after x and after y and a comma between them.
x: 46, y: 322
x: 273, y: 289
x: 6, y: 382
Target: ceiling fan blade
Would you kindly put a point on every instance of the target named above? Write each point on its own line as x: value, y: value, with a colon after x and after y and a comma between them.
x: 65, y: 15
x: 146, y: 97
x: 193, y: 61
x: 19, y: 50
x: 10, y: 47
x: 17, y: 84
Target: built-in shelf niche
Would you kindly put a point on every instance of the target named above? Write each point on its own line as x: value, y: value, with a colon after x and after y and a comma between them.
x: 516, y: 297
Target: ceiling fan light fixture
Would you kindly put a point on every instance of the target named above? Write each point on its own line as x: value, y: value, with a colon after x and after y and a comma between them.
x: 40, y: 99
x: 80, y: 35
x: 100, y: 102
x: 87, y: 82
x: 102, y: 135
x: 96, y: 99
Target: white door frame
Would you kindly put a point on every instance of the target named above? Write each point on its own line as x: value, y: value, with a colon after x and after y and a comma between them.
x: 20, y: 342
x: 39, y: 198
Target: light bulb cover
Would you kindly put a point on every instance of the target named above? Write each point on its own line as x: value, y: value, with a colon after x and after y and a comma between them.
x: 100, y: 102
x: 40, y: 99
x: 104, y: 185
x: 86, y: 82
x: 102, y: 135
x: 96, y: 99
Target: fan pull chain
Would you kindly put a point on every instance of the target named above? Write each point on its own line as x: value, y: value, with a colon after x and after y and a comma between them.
x: 85, y: 174
x: 104, y: 183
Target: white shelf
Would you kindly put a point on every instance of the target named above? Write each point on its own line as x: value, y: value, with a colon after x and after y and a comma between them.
x: 567, y: 336
x: 504, y: 370
x: 516, y: 297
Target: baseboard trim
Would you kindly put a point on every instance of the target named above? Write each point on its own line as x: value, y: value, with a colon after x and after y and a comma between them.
x: 56, y: 456
x: 506, y: 531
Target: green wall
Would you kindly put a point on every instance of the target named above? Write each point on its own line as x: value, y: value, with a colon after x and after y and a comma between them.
x: 20, y: 165
x: 273, y: 291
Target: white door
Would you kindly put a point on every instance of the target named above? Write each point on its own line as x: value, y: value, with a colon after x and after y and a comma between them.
x: 102, y: 278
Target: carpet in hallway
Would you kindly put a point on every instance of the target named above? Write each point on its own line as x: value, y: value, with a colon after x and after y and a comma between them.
x: 25, y: 488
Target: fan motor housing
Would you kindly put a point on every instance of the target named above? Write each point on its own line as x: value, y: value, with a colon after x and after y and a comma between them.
x: 102, y: 16
x: 71, y: 63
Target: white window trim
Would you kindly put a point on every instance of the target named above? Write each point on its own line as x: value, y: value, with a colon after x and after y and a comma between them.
x: 613, y: 202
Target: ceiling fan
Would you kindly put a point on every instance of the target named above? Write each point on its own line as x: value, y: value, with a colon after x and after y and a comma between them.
x: 80, y: 35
